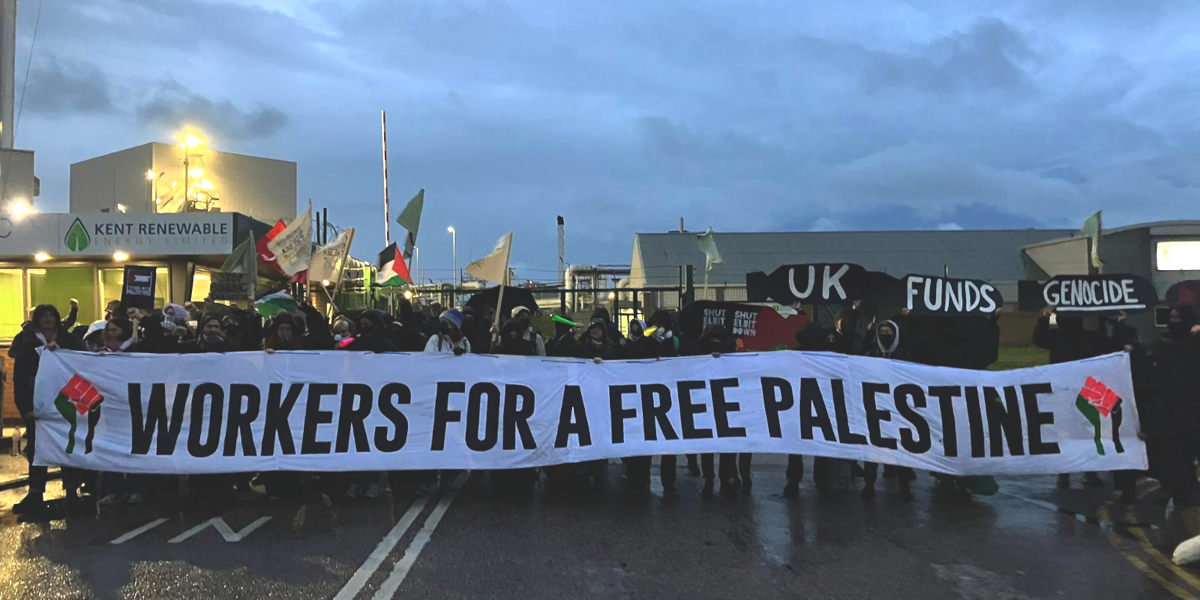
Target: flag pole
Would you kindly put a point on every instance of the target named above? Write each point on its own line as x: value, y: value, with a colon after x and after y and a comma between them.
x: 500, y: 299
x: 387, y: 220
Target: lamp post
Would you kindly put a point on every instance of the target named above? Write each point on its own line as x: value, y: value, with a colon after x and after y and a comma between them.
x: 454, y: 253
x: 152, y: 187
x: 190, y: 141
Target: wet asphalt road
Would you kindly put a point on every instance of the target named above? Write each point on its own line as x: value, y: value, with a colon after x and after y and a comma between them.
x: 1029, y: 541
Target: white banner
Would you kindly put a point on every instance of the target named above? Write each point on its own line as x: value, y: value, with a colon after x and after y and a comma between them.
x: 343, y: 411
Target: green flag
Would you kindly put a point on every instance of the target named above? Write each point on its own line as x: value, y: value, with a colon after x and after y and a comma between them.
x: 1091, y: 230
x: 410, y: 219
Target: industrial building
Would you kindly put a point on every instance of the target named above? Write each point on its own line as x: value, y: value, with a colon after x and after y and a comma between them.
x: 152, y: 178
x: 1165, y: 253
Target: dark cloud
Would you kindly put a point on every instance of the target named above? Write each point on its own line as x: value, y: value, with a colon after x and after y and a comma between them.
x: 624, y: 117
x: 59, y: 86
x: 173, y: 105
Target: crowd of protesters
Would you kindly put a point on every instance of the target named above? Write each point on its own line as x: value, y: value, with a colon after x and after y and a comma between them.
x: 1166, y: 375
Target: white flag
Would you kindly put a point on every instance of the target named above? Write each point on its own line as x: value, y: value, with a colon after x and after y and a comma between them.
x: 493, y: 267
x: 293, y: 246
x: 328, y: 260
x: 707, y: 242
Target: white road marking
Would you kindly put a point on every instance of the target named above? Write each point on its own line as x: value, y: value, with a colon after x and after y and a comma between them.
x: 223, y: 528
x: 389, y: 541
x: 392, y: 583
x: 139, y: 531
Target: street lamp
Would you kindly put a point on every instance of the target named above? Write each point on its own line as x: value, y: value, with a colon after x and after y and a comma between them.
x: 454, y: 253
x: 190, y: 142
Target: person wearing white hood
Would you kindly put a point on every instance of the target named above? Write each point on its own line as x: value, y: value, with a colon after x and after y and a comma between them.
x: 886, y: 344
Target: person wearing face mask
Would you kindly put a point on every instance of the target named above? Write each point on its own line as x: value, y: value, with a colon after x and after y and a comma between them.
x: 449, y: 336
x: 639, y: 346
x: 373, y: 335
x: 45, y: 328
x: 1069, y: 341
x: 1174, y: 362
x: 210, y: 337
x: 343, y: 331
x: 522, y: 315
x: 886, y: 344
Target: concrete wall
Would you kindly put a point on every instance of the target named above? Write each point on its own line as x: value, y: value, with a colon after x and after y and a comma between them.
x: 99, y: 184
x: 16, y: 175
x: 262, y: 188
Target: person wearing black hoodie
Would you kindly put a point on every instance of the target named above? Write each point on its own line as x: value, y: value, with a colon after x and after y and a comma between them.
x: 807, y: 339
x: 639, y: 346
x: 885, y: 343
x: 45, y: 328
x: 1168, y: 423
x: 733, y: 468
x: 513, y: 342
x: 373, y: 334
x: 1070, y: 341
x: 595, y: 344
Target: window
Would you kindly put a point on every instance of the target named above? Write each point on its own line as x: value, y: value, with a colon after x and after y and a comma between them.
x: 12, y: 303
x: 201, y: 284
x: 1179, y: 256
x: 57, y: 285
x: 110, y: 285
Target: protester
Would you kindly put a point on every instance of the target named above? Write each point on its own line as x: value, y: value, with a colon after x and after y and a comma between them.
x: 449, y: 336
x: 211, y: 337
x: 639, y: 346
x: 524, y: 316
x: 1066, y: 342
x: 513, y: 342
x: 595, y: 342
x: 1169, y: 424
x: 45, y: 328
x: 372, y: 337
x: 809, y: 338
x: 372, y: 333
x: 886, y: 344
x: 448, y: 339
x: 733, y: 468
x: 120, y: 488
x: 342, y: 330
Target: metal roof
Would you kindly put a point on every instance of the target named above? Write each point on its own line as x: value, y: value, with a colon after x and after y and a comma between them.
x: 992, y: 255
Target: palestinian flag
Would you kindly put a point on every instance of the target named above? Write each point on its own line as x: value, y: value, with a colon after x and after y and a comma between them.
x: 1096, y: 401
x: 392, y: 270
x: 273, y: 304
x: 264, y: 253
x: 78, y: 397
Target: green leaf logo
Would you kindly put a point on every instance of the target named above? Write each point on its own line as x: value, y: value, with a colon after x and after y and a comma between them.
x: 77, y: 239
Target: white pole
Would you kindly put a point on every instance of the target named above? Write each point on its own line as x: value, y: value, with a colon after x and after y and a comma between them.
x: 387, y: 219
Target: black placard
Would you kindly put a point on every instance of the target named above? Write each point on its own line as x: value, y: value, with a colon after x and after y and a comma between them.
x: 230, y: 286
x: 1089, y: 294
x: 137, y: 287
x: 935, y: 295
x: 816, y: 283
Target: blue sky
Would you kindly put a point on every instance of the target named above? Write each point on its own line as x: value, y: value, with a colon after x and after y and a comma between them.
x: 624, y: 117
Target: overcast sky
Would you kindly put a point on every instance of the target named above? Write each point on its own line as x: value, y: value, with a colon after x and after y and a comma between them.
x: 625, y: 116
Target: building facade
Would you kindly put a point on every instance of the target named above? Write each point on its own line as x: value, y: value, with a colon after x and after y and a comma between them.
x: 152, y: 178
